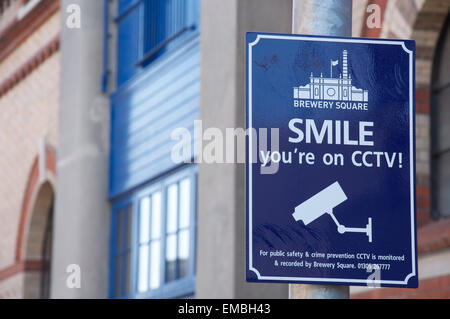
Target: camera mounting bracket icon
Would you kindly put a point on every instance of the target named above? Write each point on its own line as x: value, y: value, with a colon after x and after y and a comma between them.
x: 323, y: 203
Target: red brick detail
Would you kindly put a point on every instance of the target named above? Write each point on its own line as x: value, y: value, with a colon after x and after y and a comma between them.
x: 434, y: 236
x: 438, y: 287
x: 373, y: 32
x: 29, y: 66
x: 21, y: 266
x: 26, y: 202
x: 51, y: 160
x: 18, y: 31
x: 423, y: 196
x: 422, y: 101
x: 30, y: 190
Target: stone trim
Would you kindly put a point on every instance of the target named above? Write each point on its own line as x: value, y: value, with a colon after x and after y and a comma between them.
x: 19, y: 30
x: 29, y: 66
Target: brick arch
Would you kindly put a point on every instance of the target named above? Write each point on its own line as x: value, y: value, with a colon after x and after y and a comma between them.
x: 30, y: 196
x: 426, y: 29
x: 38, y: 218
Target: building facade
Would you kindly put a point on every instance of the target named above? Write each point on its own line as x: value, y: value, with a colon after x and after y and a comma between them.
x: 145, y: 226
x: 89, y: 186
x: 29, y: 103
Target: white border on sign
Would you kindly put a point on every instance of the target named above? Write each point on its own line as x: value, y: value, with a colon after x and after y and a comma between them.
x: 411, y: 160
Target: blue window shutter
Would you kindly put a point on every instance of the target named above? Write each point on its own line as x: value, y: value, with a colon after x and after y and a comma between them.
x: 125, y: 5
x: 128, y: 46
x: 149, y: 28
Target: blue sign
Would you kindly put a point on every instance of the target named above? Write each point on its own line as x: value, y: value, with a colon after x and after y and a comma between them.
x: 330, y: 160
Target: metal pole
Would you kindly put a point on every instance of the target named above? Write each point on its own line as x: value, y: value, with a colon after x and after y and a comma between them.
x: 324, y: 17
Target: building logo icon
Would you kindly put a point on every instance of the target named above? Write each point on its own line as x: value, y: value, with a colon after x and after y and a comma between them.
x: 335, y: 89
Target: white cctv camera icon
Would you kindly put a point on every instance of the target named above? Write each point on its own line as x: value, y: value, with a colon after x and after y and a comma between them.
x: 323, y: 203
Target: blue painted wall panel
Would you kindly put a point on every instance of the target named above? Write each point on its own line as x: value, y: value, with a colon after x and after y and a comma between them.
x: 146, y: 110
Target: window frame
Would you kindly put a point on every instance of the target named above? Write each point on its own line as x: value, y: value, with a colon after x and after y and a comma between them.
x: 122, y: 204
x: 178, y: 288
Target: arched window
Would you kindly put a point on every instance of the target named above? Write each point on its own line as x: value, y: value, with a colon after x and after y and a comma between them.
x: 440, y: 126
x: 38, y: 245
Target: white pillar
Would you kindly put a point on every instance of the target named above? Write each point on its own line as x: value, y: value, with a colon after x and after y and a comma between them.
x: 81, y: 221
x: 325, y: 17
x: 221, y: 187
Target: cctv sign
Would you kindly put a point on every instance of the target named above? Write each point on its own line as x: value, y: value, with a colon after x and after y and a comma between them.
x: 330, y: 173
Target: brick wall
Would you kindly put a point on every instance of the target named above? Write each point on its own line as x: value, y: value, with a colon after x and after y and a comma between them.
x: 422, y: 21
x: 28, y: 111
x: 29, y: 47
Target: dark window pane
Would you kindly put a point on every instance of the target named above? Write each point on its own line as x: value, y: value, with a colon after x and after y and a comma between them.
x: 117, y: 281
x: 440, y: 126
x: 151, y: 12
x: 442, y: 185
x: 183, y: 253
x: 441, y: 121
x: 120, y: 235
x: 164, y: 20
x: 127, y: 272
x: 171, y: 257
x: 46, y: 256
x: 442, y: 76
x: 129, y: 225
